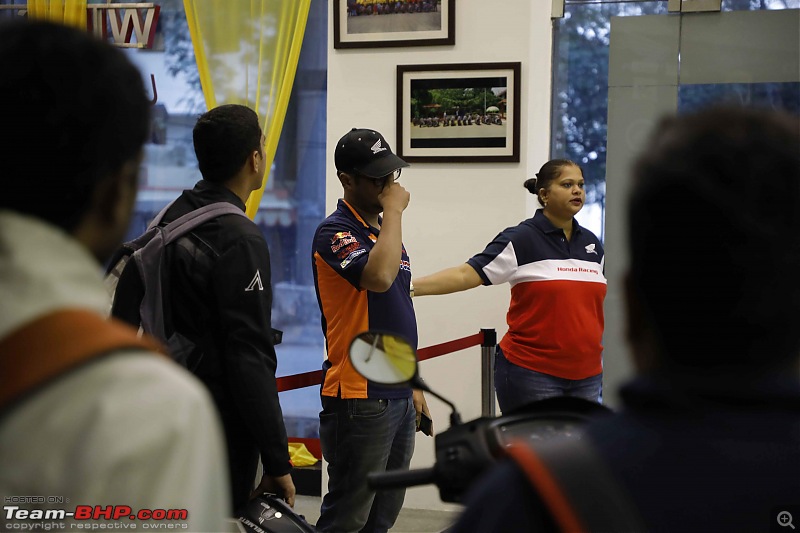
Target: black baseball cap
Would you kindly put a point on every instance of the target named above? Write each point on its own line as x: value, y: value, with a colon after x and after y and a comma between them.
x: 366, y: 152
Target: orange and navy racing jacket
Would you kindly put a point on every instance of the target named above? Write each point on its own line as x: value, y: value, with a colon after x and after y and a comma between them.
x: 342, y: 244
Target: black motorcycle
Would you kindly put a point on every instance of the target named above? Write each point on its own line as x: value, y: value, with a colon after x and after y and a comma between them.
x: 467, y: 449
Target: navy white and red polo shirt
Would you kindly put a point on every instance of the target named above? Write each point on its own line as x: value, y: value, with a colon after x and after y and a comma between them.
x: 555, y: 319
x: 342, y: 244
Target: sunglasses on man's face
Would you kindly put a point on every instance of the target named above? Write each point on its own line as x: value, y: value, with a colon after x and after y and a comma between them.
x: 388, y: 178
x: 384, y: 180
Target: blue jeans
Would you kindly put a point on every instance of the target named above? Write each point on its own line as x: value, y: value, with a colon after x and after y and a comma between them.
x: 517, y: 386
x: 359, y: 437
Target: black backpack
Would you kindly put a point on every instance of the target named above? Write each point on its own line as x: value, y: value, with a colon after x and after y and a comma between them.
x: 147, y: 251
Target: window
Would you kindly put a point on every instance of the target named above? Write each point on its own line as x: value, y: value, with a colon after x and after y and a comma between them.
x: 580, y: 93
x: 580, y: 87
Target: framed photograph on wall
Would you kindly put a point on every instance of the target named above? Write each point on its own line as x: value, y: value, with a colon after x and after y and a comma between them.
x: 458, y: 112
x: 386, y: 23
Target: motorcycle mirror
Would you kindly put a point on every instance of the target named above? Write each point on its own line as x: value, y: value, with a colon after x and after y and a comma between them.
x: 383, y: 358
x: 390, y: 359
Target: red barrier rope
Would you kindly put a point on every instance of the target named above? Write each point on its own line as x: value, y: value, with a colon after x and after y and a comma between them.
x: 448, y: 347
x: 298, y: 381
x: 308, y: 379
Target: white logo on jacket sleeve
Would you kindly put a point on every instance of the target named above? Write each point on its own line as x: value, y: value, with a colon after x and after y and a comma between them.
x: 590, y: 249
x: 353, y: 255
x: 255, y: 283
x: 377, y: 147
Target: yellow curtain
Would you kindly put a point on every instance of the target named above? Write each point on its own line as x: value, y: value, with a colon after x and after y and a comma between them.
x: 69, y: 12
x: 247, y: 53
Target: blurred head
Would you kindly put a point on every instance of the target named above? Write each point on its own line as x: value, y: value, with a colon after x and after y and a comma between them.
x: 75, y: 115
x: 225, y: 138
x: 714, y: 226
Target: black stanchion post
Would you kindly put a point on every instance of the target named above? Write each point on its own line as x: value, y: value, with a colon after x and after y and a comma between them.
x: 487, y: 371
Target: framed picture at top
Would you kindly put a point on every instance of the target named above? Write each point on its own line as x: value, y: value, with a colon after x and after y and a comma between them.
x: 458, y: 112
x: 387, y: 23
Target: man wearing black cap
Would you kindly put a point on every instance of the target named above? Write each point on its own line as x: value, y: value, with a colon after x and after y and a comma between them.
x: 363, y: 279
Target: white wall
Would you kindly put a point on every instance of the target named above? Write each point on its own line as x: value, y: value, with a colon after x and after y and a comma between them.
x: 455, y: 209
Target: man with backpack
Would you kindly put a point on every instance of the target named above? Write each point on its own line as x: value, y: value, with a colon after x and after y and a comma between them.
x: 90, y: 415
x: 217, y: 298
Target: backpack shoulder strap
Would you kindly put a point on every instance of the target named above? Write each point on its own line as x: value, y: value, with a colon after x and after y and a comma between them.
x: 151, y: 263
x: 186, y: 223
x: 52, y: 345
x: 576, y: 486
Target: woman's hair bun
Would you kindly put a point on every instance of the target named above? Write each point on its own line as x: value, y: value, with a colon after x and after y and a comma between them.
x: 530, y: 184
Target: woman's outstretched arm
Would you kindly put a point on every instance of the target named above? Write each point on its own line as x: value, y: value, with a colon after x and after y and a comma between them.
x: 449, y: 280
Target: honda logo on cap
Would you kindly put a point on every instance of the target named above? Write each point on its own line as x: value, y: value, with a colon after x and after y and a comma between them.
x: 377, y: 147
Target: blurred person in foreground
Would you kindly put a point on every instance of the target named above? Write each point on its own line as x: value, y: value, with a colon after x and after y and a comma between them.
x: 709, y: 437
x: 89, y: 413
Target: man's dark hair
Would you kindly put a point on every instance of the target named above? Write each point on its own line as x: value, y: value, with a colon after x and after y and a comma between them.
x: 224, y: 138
x: 73, y: 110
x: 714, y: 238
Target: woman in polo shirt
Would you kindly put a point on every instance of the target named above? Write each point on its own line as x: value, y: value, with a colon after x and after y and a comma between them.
x: 555, y: 318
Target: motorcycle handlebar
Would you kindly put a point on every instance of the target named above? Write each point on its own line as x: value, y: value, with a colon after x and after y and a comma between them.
x: 395, y: 479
